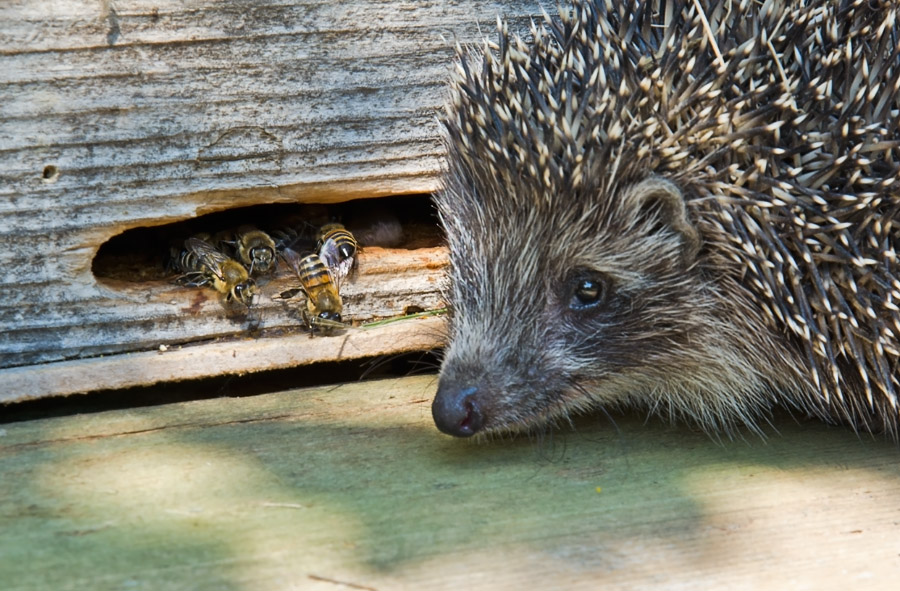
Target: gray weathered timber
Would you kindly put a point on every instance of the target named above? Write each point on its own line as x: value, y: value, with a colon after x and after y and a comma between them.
x: 386, y: 283
x: 389, y: 283
x: 116, y: 115
x: 230, y: 357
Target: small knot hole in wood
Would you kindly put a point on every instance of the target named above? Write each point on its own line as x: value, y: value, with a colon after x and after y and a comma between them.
x: 50, y: 173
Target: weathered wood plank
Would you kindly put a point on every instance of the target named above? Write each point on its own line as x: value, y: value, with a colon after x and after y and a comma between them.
x: 386, y: 283
x: 352, y: 485
x: 116, y: 115
x: 234, y: 356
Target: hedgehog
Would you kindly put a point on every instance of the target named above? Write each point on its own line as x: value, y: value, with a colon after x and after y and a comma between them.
x: 686, y: 207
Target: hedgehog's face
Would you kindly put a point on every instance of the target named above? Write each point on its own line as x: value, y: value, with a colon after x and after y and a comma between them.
x: 554, y: 313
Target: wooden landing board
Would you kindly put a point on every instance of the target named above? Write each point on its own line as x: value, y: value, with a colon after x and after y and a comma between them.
x: 351, y: 487
x: 387, y: 283
x: 239, y: 356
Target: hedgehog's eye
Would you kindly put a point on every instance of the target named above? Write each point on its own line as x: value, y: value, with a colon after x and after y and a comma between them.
x: 587, y: 292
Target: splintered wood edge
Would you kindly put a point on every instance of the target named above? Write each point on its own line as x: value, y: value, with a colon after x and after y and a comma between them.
x: 220, y: 358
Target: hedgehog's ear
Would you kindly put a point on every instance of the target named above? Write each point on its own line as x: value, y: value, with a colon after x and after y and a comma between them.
x: 663, y: 200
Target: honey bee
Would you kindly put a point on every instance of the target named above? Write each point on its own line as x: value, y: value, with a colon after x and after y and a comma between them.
x: 200, y: 264
x: 337, y: 247
x: 323, y: 301
x: 255, y: 249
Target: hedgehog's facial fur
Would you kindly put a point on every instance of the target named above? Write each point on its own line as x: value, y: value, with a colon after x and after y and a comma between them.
x: 555, y: 313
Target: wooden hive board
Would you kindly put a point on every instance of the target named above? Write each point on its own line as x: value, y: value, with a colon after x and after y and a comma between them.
x: 130, y: 114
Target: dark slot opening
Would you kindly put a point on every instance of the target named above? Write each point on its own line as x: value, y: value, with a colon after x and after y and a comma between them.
x: 142, y: 254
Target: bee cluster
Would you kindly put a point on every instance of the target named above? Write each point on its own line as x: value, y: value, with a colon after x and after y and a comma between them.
x: 232, y: 261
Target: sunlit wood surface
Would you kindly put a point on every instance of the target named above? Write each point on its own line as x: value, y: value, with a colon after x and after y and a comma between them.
x: 351, y: 487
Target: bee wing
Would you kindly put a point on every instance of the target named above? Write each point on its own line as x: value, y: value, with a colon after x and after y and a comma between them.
x: 208, y: 255
x: 339, y: 266
x: 330, y: 254
x: 337, y: 275
x: 292, y: 258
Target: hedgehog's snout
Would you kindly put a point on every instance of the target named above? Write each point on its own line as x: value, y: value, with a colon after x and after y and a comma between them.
x: 456, y: 410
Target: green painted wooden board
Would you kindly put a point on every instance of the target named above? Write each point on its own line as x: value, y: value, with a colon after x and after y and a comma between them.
x: 351, y: 487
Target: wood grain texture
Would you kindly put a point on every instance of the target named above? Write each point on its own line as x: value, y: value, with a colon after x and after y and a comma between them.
x: 387, y: 283
x: 228, y: 357
x: 330, y: 487
x: 124, y: 114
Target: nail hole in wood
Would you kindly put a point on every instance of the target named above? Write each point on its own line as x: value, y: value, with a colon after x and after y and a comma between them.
x: 50, y: 173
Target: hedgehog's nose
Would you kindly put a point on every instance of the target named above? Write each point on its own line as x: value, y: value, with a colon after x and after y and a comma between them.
x: 455, y: 410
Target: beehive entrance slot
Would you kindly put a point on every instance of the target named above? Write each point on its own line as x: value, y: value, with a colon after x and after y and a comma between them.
x: 141, y: 255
